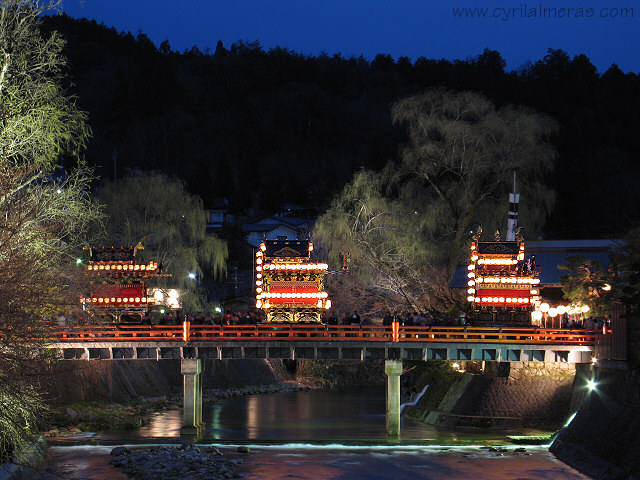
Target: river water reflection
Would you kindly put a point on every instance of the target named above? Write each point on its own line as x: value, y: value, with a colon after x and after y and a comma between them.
x: 354, y: 417
x: 322, y: 435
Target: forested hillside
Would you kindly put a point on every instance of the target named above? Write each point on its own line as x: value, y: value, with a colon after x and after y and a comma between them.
x: 262, y: 128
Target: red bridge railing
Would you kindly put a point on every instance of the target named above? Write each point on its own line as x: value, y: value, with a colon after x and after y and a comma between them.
x: 317, y: 332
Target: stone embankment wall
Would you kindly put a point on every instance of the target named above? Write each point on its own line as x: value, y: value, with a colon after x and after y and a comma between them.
x: 339, y: 373
x: 72, y: 381
x: 506, y: 395
x: 125, y: 380
x: 603, y: 439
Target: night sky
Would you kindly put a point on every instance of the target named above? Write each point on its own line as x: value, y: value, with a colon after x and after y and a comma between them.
x: 606, y: 31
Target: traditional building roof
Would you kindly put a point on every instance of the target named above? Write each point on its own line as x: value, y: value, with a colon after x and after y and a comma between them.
x: 551, y: 253
x: 275, y: 227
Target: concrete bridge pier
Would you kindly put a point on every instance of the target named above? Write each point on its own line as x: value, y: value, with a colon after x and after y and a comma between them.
x: 191, y: 369
x: 393, y: 369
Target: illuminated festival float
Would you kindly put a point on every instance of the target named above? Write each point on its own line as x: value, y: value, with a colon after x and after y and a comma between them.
x: 118, y: 284
x: 502, y: 285
x: 289, y: 286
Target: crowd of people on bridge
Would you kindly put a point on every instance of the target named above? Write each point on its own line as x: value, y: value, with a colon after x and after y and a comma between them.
x: 250, y: 317
x: 589, y: 323
x: 256, y: 316
x: 407, y: 319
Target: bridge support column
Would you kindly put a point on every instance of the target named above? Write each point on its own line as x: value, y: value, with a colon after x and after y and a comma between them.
x: 192, y: 411
x: 393, y: 369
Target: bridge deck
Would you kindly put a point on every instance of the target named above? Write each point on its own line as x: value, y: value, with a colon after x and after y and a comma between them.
x: 323, y: 342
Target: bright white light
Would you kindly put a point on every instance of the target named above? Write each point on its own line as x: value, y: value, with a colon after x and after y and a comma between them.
x: 192, y: 275
x: 570, y: 419
x: 591, y: 385
x: 544, y: 308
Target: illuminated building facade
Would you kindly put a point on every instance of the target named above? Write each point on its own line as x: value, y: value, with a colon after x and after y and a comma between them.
x: 118, y: 283
x: 502, y: 285
x: 289, y: 286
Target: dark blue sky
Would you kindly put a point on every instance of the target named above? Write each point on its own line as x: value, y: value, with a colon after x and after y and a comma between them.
x: 606, y: 31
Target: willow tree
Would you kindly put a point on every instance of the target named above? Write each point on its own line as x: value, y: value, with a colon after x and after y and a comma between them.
x: 43, y: 211
x: 390, y: 257
x: 453, y: 175
x: 457, y: 167
x: 158, y: 213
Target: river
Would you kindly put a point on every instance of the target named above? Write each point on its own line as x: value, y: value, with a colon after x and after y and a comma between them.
x: 324, y: 435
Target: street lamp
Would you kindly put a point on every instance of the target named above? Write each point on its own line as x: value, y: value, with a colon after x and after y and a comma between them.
x: 192, y: 275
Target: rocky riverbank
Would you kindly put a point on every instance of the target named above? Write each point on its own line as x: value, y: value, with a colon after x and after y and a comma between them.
x: 186, y: 462
x: 213, y: 394
x: 96, y: 416
x: 75, y: 418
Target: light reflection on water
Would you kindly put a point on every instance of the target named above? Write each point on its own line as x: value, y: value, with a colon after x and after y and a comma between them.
x: 324, y: 435
x: 401, y: 463
x: 165, y: 424
x: 326, y: 462
x: 322, y: 416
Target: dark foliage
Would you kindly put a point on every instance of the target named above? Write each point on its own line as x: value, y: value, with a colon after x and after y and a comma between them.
x: 262, y: 128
